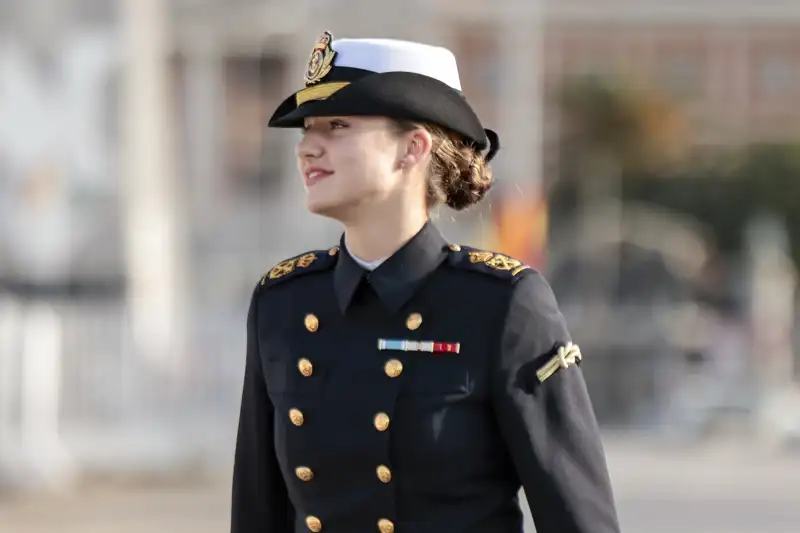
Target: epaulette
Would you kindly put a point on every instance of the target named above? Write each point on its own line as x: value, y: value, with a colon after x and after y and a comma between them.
x: 490, y: 263
x: 314, y: 261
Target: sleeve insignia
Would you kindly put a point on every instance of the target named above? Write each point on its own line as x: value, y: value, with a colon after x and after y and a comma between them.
x: 565, y: 357
x: 297, y: 264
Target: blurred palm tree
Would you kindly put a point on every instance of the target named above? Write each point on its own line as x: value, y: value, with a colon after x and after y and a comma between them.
x: 607, y: 118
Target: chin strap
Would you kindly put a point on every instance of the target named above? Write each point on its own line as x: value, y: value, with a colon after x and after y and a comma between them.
x: 494, y: 144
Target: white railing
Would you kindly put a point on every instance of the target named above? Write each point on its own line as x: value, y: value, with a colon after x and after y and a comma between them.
x: 75, y: 398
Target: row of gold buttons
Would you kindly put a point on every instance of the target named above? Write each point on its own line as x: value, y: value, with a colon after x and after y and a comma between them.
x: 381, y: 420
x: 297, y: 417
x: 304, y: 473
x: 393, y: 369
x: 413, y: 322
x: 315, y: 524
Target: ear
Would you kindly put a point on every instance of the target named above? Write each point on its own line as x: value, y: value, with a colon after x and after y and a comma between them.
x: 418, y: 145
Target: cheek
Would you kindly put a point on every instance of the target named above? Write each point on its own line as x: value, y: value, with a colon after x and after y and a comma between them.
x: 377, y: 166
x: 364, y: 164
x: 359, y: 167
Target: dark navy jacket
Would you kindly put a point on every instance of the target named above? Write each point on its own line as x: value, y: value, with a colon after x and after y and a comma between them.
x: 337, y: 435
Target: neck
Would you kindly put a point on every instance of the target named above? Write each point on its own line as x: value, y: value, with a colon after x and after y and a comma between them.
x: 376, y: 237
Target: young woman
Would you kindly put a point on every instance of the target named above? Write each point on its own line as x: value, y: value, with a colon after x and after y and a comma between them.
x: 398, y: 382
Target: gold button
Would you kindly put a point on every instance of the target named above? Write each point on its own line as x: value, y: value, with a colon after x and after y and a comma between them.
x: 312, y: 323
x: 384, y: 474
x: 296, y: 416
x: 333, y: 251
x: 381, y: 421
x: 385, y: 526
x: 393, y: 368
x: 304, y: 473
x: 314, y: 524
x: 414, y: 321
x: 454, y: 248
x: 305, y: 367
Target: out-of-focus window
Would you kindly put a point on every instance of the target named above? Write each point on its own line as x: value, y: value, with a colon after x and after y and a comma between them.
x: 777, y: 76
x: 253, y: 154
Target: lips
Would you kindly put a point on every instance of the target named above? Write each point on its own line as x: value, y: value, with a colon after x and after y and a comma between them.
x: 314, y: 175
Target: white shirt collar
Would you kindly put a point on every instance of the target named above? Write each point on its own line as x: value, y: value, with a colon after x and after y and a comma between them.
x: 366, y: 265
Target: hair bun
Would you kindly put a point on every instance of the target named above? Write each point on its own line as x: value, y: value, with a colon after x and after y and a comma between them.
x: 469, y: 185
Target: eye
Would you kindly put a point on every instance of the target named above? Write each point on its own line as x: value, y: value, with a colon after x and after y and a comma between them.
x: 338, y: 124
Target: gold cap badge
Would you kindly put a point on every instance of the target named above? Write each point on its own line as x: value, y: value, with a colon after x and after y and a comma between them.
x: 321, y: 60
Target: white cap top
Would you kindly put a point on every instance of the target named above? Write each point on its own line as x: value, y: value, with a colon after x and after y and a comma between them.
x: 391, y: 55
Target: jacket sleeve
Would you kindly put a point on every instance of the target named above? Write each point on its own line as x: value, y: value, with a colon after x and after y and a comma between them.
x: 549, y: 428
x: 259, y: 498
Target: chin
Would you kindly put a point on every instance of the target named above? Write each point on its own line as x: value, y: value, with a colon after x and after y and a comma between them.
x: 341, y: 209
x: 323, y: 206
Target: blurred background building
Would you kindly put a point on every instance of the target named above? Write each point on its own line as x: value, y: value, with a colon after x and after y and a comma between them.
x: 651, y: 169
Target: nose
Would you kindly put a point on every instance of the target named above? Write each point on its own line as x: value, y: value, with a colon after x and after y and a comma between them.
x: 310, y: 146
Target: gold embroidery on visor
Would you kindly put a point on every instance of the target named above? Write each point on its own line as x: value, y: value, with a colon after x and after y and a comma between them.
x: 319, y: 92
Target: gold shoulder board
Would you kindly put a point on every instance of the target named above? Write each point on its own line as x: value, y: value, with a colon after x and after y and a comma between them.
x: 304, y: 263
x: 489, y: 262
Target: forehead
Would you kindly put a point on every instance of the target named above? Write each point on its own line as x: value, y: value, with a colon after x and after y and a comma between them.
x: 353, y: 120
